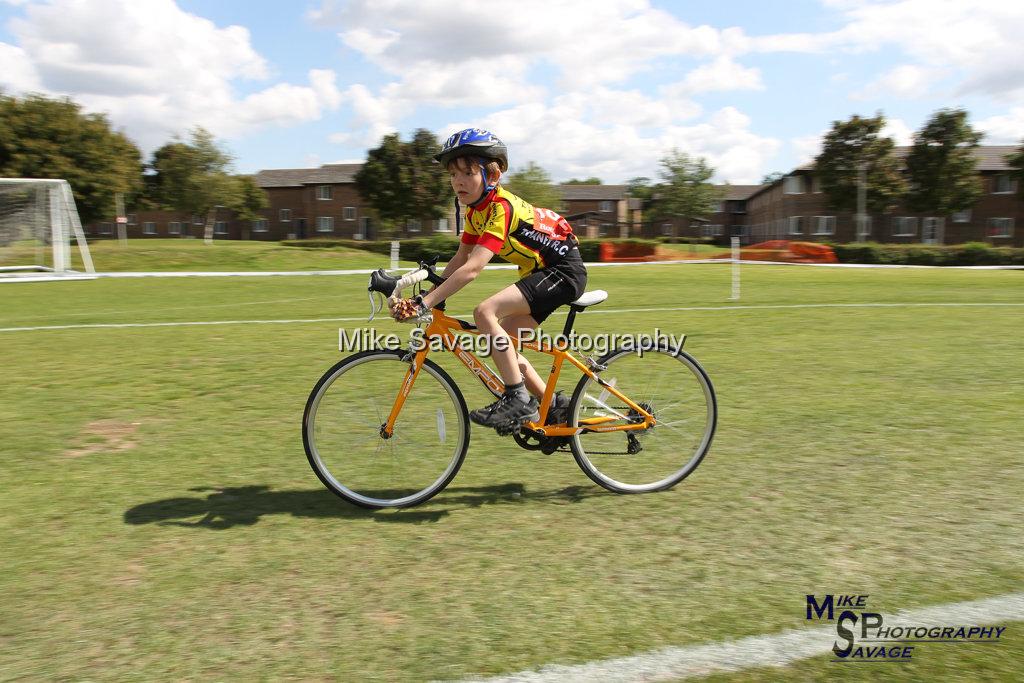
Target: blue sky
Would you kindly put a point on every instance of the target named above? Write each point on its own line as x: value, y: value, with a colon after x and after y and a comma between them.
x: 583, y: 88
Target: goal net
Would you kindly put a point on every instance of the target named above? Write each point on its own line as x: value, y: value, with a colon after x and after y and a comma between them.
x: 38, y: 221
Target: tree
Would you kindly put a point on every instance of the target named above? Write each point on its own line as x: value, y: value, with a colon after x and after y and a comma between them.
x: 686, y: 191
x: 247, y: 198
x: 640, y: 187
x: 941, y: 166
x: 193, y: 177
x: 852, y: 151
x: 589, y: 181
x: 1016, y: 161
x: 53, y: 138
x: 772, y: 177
x: 534, y: 185
x: 401, y: 180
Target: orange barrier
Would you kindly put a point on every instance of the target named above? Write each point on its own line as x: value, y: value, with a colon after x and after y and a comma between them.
x: 617, y: 252
x: 786, y: 252
x: 626, y: 253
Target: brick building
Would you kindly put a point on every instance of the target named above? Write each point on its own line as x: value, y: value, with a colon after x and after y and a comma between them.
x: 794, y: 208
x: 323, y: 202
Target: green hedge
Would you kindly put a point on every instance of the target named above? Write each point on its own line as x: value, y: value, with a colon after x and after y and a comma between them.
x: 970, y: 254
x: 418, y: 248
x: 411, y: 249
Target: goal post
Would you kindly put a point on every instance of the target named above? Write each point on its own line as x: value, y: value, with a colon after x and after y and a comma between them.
x: 38, y: 220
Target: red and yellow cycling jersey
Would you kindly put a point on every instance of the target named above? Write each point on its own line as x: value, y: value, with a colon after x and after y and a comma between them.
x: 515, y: 230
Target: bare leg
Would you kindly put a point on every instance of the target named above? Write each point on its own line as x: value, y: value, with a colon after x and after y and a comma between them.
x: 514, y: 325
x: 508, y: 303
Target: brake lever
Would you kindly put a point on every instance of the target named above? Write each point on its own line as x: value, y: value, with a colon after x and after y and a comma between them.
x: 375, y: 307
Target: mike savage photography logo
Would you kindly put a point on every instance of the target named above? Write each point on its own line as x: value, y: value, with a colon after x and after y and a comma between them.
x: 866, y: 636
x: 370, y: 339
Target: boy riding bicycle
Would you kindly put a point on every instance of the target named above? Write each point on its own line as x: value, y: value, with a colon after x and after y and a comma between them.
x: 538, y: 241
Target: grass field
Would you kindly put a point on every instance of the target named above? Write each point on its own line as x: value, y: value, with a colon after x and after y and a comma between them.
x: 155, y: 255
x: 159, y: 520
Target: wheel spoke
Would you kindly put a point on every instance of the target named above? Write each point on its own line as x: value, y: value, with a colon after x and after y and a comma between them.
x: 676, y: 391
x: 343, y: 441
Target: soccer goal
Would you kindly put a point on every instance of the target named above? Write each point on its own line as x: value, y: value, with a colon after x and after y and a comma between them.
x: 38, y: 219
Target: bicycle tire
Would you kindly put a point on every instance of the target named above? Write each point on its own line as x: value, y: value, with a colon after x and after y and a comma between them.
x: 350, y: 430
x: 699, y: 404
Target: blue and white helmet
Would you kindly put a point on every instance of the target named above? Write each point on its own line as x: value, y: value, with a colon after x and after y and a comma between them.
x: 475, y: 142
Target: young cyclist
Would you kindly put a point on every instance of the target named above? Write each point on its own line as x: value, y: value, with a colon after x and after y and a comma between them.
x: 538, y: 241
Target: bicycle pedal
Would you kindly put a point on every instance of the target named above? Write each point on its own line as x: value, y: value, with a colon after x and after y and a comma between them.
x: 508, y: 429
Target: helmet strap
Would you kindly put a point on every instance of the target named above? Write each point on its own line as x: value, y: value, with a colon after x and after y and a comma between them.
x: 487, y: 184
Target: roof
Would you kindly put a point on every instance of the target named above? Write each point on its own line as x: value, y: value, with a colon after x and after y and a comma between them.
x: 989, y: 157
x: 573, y: 192
x: 738, y: 192
x: 297, y: 177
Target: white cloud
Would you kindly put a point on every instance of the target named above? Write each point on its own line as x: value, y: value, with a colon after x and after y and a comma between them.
x: 907, y: 81
x: 619, y: 37
x: 18, y: 74
x: 157, y: 70
x: 807, y: 147
x: 1006, y: 129
x: 722, y: 74
x: 899, y: 131
x: 564, y: 139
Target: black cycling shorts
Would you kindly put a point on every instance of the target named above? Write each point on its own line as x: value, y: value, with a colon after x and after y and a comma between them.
x: 554, y: 286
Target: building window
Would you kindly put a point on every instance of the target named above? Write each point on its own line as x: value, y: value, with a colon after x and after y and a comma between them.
x: 325, y: 223
x: 198, y: 220
x: 796, y: 225
x: 348, y: 213
x: 174, y: 228
x: 824, y: 225
x: 816, y: 184
x: 220, y: 228
x: 106, y: 228
x: 364, y: 228
x: 413, y: 225
x: 607, y: 207
x: 666, y: 229
x: 1000, y: 227
x: 442, y: 225
x: 260, y: 225
x: 962, y: 216
x: 1003, y: 184
x: 285, y: 215
x: 323, y: 191
x: 711, y: 230
x: 149, y: 228
x: 794, y: 184
x: 131, y: 219
x: 720, y: 207
x: 904, y: 226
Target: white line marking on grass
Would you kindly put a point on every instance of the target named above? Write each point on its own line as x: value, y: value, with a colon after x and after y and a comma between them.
x: 116, y: 326
x: 85, y: 326
x: 780, y: 649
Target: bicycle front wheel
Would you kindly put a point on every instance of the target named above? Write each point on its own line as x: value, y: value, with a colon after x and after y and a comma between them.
x: 341, y: 430
x: 670, y: 385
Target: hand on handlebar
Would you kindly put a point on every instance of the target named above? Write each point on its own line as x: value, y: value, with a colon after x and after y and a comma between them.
x: 406, y: 309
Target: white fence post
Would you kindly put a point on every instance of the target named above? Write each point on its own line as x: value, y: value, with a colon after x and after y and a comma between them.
x: 735, y: 269
x: 394, y: 254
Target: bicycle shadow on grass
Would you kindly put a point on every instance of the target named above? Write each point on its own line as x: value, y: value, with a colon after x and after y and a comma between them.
x: 226, y: 508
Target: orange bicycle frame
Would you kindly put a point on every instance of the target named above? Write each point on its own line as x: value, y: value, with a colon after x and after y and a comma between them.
x: 444, y: 327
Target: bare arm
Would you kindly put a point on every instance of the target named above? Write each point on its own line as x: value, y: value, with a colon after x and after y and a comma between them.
x: 460, y: 276
x: 460, y: 257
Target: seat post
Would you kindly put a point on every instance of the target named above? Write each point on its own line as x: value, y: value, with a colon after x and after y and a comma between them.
x: 570, y: 320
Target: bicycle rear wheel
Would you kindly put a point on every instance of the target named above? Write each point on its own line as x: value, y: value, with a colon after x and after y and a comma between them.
x: 341, y: 431
x: 670, y: 385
